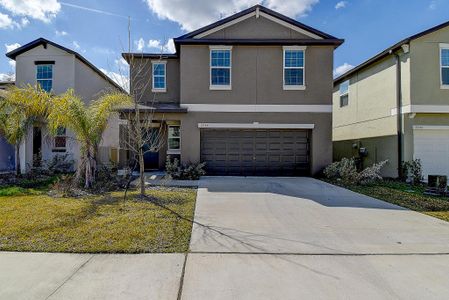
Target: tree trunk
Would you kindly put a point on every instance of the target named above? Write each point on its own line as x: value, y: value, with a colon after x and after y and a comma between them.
x: 17, y: 159
x: 142, y: 173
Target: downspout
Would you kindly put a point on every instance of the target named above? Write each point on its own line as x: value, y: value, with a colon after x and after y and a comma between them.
x: 399, y: 112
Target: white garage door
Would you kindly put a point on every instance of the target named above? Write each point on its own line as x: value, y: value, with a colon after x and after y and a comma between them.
x: 431, y: 145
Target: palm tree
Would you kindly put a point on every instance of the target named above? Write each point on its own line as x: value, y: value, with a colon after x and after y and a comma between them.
x: 20, y: 108
x: 87, y: 124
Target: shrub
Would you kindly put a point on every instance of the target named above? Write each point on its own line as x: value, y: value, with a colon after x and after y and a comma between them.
x: 178, y: 171
x: 413, y: 170
x: 346, y: 171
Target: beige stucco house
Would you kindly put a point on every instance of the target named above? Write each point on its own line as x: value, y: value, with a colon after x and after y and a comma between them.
x: 56, y: 69
x: 395, y: 106
x: 249, y: 95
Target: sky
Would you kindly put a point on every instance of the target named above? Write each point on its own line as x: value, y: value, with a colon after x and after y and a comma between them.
x: 98, y: 29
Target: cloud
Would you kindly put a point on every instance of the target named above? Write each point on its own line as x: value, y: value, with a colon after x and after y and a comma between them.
x: 7, y: 77
x: 193, y: 14
x: 341, y: 4
x: 433, y: 5
x: 76, y: 45
x: 43, y: 10
x: 6, y: 22
x: 121, y: 79
x: 168, y: 47
x: 140, y: 44
x: 24, y: 22
x: 10, y: 47
x: 340, y: 70
x: 12, y: 64
x: 61, y: 33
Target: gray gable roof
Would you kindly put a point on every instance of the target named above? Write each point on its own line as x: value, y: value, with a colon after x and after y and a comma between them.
x: 41, y: 41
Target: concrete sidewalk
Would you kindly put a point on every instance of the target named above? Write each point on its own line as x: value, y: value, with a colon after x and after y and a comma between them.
x: 84, y: 276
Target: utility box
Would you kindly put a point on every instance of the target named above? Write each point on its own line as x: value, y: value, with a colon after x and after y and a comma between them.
x: 437, y: 184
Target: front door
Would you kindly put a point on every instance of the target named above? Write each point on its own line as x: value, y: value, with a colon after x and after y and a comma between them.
x: 151, y: 158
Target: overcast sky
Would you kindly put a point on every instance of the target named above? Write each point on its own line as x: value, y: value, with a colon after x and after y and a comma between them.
x: 98, y: 29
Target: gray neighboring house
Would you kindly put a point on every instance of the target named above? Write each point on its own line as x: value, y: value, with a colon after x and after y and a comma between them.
x: 7, y: 161
x: 395, y: 106
x: 249, y: 95
x: 56, y: 69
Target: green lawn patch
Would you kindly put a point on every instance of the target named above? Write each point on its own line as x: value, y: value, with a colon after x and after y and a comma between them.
x: 404, y: 195
x: 97, y: 224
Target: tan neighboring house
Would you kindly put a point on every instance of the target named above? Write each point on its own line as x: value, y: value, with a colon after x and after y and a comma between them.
x: 56, y: 69
x: 395, y: 106
x: 249, y: 95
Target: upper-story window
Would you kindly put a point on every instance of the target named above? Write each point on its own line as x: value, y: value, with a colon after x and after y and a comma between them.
x: 294, y: 68
x: 44, y: 77
x: 344, y: 93
x: 444, y: 54
x: 220, y: 67
x: 159, y: 76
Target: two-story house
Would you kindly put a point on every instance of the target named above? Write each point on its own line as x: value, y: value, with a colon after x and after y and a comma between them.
x: 249, y: 95
x: 395, y: 106
x: 57, y: 69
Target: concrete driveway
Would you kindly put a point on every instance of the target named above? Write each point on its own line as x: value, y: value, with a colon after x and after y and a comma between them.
x: 300, y: 238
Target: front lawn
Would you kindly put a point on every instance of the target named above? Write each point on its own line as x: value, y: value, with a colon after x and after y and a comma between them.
x: 404, y: 195
x: 30, y: 220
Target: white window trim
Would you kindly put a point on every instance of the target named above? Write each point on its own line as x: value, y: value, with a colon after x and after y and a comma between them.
x: 173, y: 151
x: 52, y: 69
x: 220, y: 87
x: 158, y: 90
x: 293, y: 87
x: 344, y: 94
x: 443, y: 47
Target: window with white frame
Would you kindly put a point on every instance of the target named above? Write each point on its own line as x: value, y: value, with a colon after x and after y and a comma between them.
x: 159, y: 76
x: 344, y: 93
x: 294, y: 67
x: 220, y: 67
x: 44, y: 76
x: 174, y: 139
x: 444, y: 61
x: 60, y: 141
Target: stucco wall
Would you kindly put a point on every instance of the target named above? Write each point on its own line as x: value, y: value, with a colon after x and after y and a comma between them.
x: 425, y: 69
x: 379, y: 149
x: 257, y: 28
x: 257, y: 76
x: 142, y: 81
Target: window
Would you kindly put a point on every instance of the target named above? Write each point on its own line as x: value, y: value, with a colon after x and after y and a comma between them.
x: 60, y: 141
x: 294, y: 61
x: 344, y: 93
x: 444, y: 54
x: 174, y: 139
x: 159, y: 78
x: 44, y: 77
x: 220, y: 68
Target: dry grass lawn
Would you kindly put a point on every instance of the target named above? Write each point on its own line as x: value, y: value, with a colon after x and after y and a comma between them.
x: 97, y: 224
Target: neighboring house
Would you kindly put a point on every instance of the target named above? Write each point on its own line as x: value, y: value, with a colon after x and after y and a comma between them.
x: 249, y: 95
x: 7, y: 161
x: 395, y: 106
x: 56, y: 69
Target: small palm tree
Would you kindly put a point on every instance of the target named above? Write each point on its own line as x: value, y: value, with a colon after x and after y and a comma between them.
x: 87, y: 124
x: 20, y: 108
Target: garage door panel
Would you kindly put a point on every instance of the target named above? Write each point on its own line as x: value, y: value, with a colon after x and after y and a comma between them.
x: 255, y: 152
x: 431, y: 146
